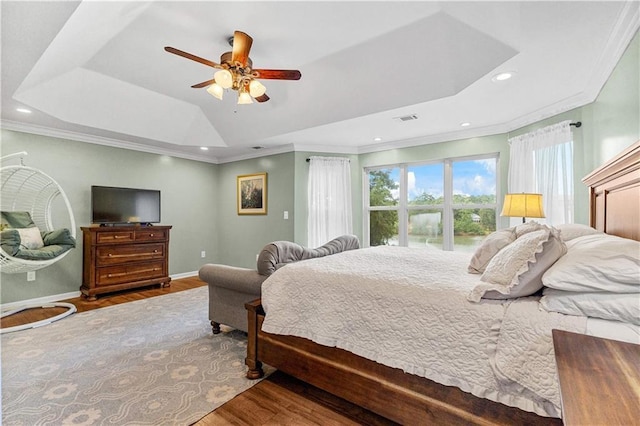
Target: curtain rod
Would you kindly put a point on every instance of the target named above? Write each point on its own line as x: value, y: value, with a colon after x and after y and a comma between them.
x: 309, y: 159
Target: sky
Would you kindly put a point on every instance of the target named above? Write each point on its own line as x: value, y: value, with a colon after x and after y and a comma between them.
x: 475, y: 177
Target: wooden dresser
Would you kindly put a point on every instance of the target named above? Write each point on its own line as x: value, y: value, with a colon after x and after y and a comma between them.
x: 122, y: 257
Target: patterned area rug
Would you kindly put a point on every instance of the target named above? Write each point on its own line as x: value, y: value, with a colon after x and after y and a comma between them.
x: 148, y: 362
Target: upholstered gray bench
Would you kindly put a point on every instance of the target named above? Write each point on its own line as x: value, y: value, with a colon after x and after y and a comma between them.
x: 231, y: 287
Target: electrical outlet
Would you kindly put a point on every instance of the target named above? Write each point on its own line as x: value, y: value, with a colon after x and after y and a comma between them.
x: 203, y: 254
x: 31, y: 276
x: 286, y: 215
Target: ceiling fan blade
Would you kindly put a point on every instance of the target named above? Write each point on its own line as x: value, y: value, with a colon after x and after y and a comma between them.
x: 204, y: 84
x: 263, y: 98
x: 241, y: 47
x: 190, y: 56
x: 278, y: 74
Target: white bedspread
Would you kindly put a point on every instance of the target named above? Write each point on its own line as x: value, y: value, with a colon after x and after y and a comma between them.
x: 407, y: 308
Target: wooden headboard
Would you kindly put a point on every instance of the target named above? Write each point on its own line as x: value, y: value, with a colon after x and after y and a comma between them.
x: 614, y: 191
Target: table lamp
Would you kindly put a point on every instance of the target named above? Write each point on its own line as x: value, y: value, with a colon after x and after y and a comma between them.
x: 522, y: 205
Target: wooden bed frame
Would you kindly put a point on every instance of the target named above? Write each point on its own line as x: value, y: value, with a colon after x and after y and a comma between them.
x: 408, y: 399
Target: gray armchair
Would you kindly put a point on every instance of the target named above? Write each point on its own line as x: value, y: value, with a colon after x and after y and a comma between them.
x: 231, y: 287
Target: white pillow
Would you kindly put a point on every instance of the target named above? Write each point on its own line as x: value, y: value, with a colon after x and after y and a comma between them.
x: 489, y: 247
x: 517, y: 269
x: 30, y: 238
x: 610, y: 306
x: 530, y: 226
x: 569, y: 231
x: 598, y: 262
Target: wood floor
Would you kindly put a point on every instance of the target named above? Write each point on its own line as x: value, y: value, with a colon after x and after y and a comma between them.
x: 277, y: 400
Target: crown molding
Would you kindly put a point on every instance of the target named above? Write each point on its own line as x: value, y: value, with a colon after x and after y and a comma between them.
x: 626, y: 27
x: 98, y: 140
x: 264, y: 152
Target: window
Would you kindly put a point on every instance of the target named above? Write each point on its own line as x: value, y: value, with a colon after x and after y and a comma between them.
x: 449, y: 204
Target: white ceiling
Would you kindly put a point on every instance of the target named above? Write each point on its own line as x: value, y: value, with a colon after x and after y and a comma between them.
x: 96, y: 71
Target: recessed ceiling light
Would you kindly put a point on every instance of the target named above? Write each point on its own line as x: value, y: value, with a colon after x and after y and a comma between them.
x: 204, y: 148
x: 465, y: 124
x: 24, y: 110
x: 378, y: 139
x: 503, y: 76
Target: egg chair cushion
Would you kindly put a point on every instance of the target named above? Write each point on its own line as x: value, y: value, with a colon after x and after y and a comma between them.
x: 44, y: 253
x: 55, y: 243
x: 16, y: 219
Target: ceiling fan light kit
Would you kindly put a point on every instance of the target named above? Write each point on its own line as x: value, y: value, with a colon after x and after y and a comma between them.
x: 235, y: 72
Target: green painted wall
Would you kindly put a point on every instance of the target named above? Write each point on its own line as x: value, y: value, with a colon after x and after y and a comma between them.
x: 241, y: 237
x: 189, y: 202
x: 613, y: 120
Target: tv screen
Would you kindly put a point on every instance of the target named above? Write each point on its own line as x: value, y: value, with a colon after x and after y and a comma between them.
x: 124, y: 205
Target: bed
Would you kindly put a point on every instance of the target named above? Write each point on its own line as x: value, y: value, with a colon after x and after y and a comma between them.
x: 489, y: 361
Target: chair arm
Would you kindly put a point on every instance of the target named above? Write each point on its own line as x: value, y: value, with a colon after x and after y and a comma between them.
x: 243, y: 280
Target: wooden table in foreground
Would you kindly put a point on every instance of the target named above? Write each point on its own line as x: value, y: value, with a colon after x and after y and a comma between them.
x: 599, y: 379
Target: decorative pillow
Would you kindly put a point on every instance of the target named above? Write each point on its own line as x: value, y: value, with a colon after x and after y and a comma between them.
x: 17, y: 219
x: 10, y: 241
x: 491, y: 245
x: 530, y: 226
x: 517, y: 269
x: 61, y: 237
x: 598, y: 262
x: 30, y: 238
x: 610, y: 306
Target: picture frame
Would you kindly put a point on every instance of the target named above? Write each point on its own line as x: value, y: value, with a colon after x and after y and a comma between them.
x: 252, y: 194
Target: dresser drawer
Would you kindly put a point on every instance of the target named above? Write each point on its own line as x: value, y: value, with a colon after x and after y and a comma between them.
x: 125, y: 273
x: 115, y: 237
x: 151, y: 235
x: 113, y: 255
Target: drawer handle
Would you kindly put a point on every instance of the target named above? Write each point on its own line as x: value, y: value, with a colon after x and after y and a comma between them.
x: 151, y: 235
x: 134, y: 272
x: 114, y: 256
x: 119, y: 236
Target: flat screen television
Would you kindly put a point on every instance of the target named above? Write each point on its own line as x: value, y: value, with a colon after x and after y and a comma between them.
x: 112, y: 205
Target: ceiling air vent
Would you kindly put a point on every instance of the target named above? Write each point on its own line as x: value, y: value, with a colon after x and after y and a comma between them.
x: 407, y: 117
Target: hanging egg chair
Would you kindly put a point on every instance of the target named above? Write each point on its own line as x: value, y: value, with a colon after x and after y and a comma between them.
x: 31, y: 193
x: 26, y: 189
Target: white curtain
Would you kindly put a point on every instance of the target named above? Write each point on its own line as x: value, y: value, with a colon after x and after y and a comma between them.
x: 542, y: 162
x: 329, y: 201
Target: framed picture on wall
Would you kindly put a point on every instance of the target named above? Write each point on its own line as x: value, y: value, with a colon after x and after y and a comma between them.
x: 252, y: 193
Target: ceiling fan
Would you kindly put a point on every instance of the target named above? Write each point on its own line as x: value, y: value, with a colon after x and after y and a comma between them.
x: 236, y: 71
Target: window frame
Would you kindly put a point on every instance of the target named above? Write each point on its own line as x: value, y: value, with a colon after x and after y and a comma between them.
x: 447, y: 207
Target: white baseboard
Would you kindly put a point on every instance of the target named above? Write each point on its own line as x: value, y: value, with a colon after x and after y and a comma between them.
x: 64, y: 296
x: 184, y: 275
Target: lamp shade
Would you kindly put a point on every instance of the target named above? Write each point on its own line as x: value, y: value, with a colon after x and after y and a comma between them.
x: 522, y: 205
x: 256, y: 89
x: 215, y: 90
x: 224, y: 78
x: 244, y: 99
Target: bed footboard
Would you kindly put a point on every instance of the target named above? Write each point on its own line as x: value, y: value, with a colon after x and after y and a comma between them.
x: 387, y: 391
x: 254, y: 310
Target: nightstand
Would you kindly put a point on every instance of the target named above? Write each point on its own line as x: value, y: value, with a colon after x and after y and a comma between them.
x: 599, y: 379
